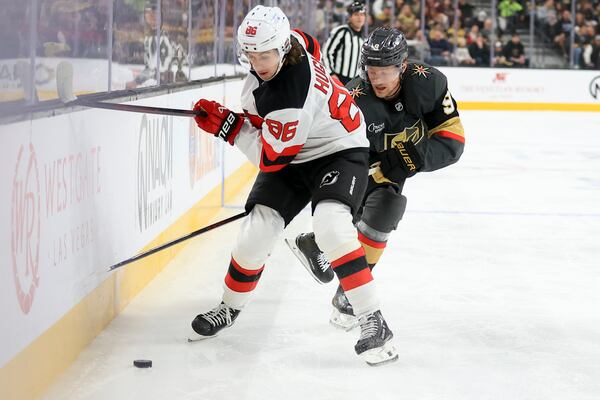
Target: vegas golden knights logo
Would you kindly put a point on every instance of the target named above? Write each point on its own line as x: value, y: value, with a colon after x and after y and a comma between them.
x: 413, y: 134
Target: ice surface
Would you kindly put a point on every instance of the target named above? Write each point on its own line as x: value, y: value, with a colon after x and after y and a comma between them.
x: 491, y: 285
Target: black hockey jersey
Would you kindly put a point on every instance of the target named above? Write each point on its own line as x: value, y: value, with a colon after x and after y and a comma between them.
x: 424, y: 113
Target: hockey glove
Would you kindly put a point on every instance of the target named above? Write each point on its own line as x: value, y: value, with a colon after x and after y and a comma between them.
x: 220, y: 121
x: 400, y: 162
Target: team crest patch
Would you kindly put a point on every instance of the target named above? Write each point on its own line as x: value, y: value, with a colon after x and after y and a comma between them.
x: 421, y: 71
x: 330, y: 178
x: 356, y: 92
x: 414, y: 134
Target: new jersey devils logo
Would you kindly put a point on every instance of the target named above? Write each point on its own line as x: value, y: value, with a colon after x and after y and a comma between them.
x: 330, y: 178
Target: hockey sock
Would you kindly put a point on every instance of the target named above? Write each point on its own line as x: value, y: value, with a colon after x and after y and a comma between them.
x: 239, y: 284
x: 373, y: 249
x: 356, y: 280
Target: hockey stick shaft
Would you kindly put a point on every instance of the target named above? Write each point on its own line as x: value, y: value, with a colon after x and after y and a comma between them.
x: 140, y: 109
x: 64, y: 86
x: 179, y: 240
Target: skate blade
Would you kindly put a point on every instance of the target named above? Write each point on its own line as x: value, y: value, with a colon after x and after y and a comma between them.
x: 292, y: 245
x: 199, y: 338
x: 343, y: 321
x: 380, y: 356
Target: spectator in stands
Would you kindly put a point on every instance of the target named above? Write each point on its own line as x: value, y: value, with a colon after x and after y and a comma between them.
x: 439, y: 20
x: 466, y: 13
x: 595, y: 55
x: 423, y: 52
x: 561, y: 31
x: 473, y: 33
x: 461, y: 54
x: 341, y: 52
x: 480, y: 51
x: 499, y: 60
x: 514, y: 52
x: 544, y: 11
x: 407, y: 22
x: 584, y: 35
x: 481, y: 18
x: 587, y: 8
x: 509, y: 10
x: 487, y: 31
x: 552, y: 28
x: 383, y: 19
x: 440, y: 48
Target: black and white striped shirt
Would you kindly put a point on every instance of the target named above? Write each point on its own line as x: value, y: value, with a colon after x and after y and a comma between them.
x: 341, y: 52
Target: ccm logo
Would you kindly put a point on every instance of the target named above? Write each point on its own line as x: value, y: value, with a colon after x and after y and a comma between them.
x: 251, y: 30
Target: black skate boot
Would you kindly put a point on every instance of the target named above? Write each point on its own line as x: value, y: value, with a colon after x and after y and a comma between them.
x: 375, y: 345
x: 210, y: 323
x: 312, y: 258
x: 343, y: 315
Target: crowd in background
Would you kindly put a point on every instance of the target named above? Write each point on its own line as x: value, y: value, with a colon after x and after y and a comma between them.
x: 450, y: 35
x: 461, y: 34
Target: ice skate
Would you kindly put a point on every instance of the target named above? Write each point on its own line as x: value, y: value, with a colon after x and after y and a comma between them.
x: 375, y: 345
x: 342, y: 316
x: 208, y: 324
x: 310, y: 256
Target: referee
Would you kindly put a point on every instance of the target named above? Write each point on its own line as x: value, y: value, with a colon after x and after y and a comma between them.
x: 342, y: 50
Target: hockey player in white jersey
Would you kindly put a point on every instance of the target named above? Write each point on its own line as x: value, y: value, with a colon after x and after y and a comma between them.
x: 308, y: 138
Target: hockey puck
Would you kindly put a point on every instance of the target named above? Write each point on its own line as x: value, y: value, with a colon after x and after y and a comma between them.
x: 143, y: 363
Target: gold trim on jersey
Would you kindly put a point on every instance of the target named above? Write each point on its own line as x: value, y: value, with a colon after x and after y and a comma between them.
x: 453, y: 125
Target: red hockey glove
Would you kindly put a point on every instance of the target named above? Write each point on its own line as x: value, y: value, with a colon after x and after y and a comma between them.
x: 400, y: 162
x: 220, y: 121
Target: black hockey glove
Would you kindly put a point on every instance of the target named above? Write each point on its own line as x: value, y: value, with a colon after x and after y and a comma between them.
x: 400, y: 162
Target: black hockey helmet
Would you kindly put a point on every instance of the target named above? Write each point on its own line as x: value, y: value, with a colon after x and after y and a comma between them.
x: 383, y: 47
x: 356, y: 6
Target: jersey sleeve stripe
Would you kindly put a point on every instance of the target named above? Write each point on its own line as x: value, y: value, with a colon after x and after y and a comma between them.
x: 267, y: 165
x: 451, y: 128
x: 451, y: 135
x: 273, y: 155
x: 312, y: 46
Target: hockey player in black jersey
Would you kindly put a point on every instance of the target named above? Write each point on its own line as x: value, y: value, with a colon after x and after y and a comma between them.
x: 413, y: 126
x: 308, y: 138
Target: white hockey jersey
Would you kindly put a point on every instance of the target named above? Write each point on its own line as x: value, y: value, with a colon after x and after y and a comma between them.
x: 298, y: 116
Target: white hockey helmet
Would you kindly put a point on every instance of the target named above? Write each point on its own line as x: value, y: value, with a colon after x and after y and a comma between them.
x: 264, y: 29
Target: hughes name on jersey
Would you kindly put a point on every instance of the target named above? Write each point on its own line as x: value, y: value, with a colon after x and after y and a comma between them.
x: 299, y: 115
x: 424, y: 112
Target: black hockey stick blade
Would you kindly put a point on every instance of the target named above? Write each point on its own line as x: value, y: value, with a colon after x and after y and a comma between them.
x: 179, y: 240
x: 64, y: 86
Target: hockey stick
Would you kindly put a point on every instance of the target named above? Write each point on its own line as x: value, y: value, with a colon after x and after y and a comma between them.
x: 64, y: 86
x: 176, y: 241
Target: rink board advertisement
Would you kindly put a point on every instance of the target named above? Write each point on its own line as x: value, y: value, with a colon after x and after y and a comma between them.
x: 87, y: 189
x: 521, y: 86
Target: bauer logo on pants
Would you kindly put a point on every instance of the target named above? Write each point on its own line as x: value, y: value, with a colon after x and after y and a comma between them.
x: 330, y: 178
